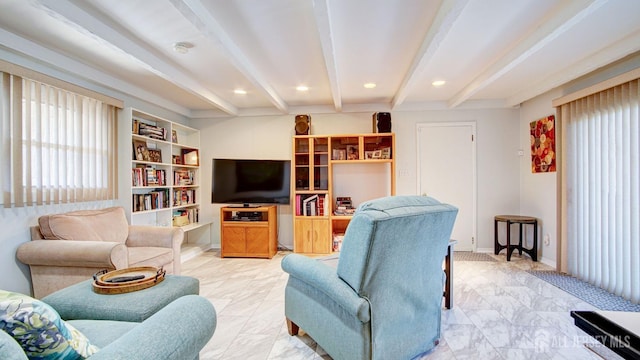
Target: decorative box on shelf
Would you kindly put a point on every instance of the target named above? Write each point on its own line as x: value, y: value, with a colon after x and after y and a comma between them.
x: 181, y: 220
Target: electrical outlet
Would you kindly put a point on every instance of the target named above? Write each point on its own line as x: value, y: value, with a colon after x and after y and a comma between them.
x: 546, y: 240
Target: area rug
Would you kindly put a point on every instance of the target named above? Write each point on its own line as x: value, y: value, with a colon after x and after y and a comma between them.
x: 591, y: 294
x: 471, y: 256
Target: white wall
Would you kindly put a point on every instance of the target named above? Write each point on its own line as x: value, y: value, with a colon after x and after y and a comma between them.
x: 269, y: 137
x: 538, y: 191
x: 497, y: 161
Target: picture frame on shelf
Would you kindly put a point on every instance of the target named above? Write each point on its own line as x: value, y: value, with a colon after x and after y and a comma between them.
x: 140, y: 150
x: 155, y: 155
x: 352, y: 152
x: 368, y: 154
x: 385, y: 153
x: 174, y: 136
x: 176, y: 159
x: 377, y: 154
x: 190, y: 157
x: 339, y: 154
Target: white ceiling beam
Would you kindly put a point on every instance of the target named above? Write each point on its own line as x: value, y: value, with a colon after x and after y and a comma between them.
x: 66, y: 68
x: 448, y: 12
x: 608, y: 55
x: 557, y: 24
x: 323, y: 21
x: 88, y: 21
x: 197, y: 14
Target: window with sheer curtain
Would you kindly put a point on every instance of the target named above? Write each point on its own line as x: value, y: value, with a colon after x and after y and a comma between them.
x: 57, y: 146
x: 601, y: 188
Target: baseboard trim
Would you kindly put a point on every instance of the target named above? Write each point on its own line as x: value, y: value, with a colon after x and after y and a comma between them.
x: 541, y: 259
x: 189, y: 252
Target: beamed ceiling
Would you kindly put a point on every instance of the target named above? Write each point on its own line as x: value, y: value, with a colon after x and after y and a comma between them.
x: 490, y: 53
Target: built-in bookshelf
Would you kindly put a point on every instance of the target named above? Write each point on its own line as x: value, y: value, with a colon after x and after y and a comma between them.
x: 164, y: 181
x: 331, y: 175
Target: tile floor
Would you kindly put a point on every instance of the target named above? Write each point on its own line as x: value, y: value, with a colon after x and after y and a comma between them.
x: 500, y: 312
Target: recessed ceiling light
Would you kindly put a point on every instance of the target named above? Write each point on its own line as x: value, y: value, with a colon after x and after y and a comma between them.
x: 370, y: 85
x: 182, y: 47
x: 240, y: 92
x: 438, y: 83
x: 302, y: 88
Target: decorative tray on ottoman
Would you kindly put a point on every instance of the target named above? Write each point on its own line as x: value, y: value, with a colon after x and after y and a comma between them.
x: 127, y: 280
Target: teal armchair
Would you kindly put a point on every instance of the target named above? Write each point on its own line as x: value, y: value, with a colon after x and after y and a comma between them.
x: 384, y: 299
x: 177, y: 331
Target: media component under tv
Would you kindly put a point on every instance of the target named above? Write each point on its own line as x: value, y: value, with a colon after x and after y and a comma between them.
x: 250, y: 182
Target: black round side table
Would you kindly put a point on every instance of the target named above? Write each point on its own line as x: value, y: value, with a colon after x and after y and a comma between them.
x: 520, y: 220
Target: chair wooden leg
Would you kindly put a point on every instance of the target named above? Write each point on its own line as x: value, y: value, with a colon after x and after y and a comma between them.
x: 292, y: 327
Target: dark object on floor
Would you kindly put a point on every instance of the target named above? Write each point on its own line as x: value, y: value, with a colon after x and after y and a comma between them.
x: 607, y: 327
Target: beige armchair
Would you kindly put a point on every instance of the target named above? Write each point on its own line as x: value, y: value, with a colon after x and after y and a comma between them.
x: 71, y: 247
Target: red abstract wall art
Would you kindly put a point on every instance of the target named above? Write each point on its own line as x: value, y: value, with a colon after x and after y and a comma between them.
x: 543, y: 145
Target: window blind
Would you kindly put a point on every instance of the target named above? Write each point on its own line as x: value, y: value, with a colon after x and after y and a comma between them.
x: 600, y: 202
x: 57, y: 146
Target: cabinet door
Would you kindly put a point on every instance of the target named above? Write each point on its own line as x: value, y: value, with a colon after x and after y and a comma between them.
x: 320, y: 164
x: 321, y: 238
x: 312, y: 236
x: 257, y: 240
x: 303, y: 237
x: 302, y: 162
x: 233, y: 240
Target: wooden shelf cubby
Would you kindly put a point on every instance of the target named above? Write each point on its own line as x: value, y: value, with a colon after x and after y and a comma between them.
x: 325, y: 167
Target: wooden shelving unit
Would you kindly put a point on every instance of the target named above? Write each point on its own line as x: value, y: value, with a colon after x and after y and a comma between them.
x: 321, y: 172
x: 162, y: 176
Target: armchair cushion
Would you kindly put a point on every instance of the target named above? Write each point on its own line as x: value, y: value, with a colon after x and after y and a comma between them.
x: 39, y: 330
x: 149, y: 256
x: 108, y: 224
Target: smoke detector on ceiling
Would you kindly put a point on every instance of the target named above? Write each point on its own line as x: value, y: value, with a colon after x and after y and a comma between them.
x: 182, y: 47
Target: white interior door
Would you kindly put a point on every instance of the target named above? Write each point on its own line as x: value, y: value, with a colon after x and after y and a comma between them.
x: 447, y: 171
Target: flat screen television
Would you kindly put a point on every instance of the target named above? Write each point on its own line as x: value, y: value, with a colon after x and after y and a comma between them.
x: 250, y: 182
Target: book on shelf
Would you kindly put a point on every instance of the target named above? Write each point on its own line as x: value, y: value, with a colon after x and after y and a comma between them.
x: 183, y: 177
x: 152, y: 131
x: 184, y: 197
x: 148, y: 176
x: 157, y: 199
x: 311, y: 205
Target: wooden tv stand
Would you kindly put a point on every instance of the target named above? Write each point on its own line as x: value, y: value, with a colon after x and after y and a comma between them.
x: 249, y: 231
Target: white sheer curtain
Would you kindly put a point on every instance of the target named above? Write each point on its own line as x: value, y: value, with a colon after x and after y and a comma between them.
x: 57, y: 146
x: 601, y: 185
